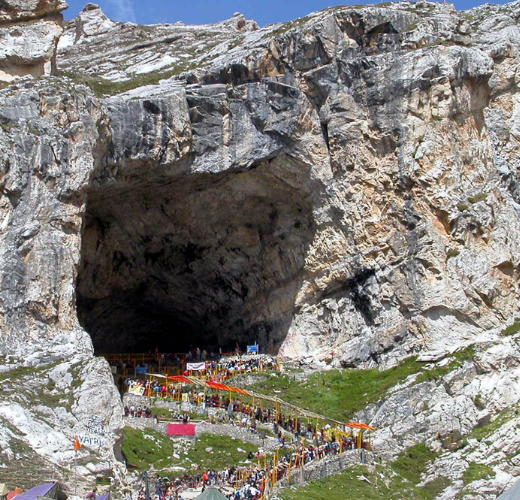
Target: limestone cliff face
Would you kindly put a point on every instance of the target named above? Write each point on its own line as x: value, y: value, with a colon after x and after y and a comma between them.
x: 29, y: 49
x: 347, y: 182
x: 344, y: 183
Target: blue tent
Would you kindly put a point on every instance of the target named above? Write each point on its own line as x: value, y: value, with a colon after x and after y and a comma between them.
x: 49, y: 490
x: 512, y: 493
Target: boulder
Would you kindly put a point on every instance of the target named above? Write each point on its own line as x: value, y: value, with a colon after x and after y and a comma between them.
x: 22, y: 10
x: 29, y: 48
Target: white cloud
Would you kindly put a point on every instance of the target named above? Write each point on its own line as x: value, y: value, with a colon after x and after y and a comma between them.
x: 124, y: 10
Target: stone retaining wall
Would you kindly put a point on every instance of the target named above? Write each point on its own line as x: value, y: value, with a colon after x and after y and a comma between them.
x: 240, y: 433
x: 145, y: 423
x: 327, y: 467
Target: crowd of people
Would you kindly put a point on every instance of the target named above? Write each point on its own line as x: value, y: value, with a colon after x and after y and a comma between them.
x: 218, y: 367
x: 244, y: 364
x: 300, y: 441
x: 251, y: 416
x: 132, y: 411
x: 248, y: 482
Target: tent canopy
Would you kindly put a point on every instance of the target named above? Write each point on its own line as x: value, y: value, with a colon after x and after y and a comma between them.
x: 45, y: 490
x: 14, y: 493
x: 211, y: 494
x: 49, y: 490
x: 4, y: 490
x: 512, y: 493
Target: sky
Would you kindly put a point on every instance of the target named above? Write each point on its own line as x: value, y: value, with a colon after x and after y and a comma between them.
x: 212, y: 11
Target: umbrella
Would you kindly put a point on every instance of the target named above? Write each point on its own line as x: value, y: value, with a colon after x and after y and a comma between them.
x: 211, y: 494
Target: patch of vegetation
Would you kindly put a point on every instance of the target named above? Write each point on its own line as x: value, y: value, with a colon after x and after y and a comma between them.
x: 34, y: 131
x: 339, y: 394
x: 453, y: 252
x: 225, y: 452
x: 40, y: 389
x: 361, y: 483
x: 483, y: 432
x: 236, y: 42
x: 412, y: 462
x: 344, y: 486
x: 144, y: 448
x: 476, y: 472
x: 477, y: 198
x: 7, y: 127
x: 102, y: 87
x: 19, y: 372
x: 462, y: 207
x: 161, y: 412
x: 458, y: 360
x: 286, y: 27
x: 432, y: 489
x: 512, y: 329
x: 46, y: 398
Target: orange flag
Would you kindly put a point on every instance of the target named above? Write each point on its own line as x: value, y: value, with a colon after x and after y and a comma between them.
x: 77, y: 444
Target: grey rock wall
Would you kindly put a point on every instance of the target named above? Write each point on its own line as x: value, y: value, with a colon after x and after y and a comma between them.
x: 346, y: 183
x: 29, y: 48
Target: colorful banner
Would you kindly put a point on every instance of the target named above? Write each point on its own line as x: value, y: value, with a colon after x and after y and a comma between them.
x: 196, y: 367
x: 181, y: 430
x: 252, y: 349
x: 136, y: 389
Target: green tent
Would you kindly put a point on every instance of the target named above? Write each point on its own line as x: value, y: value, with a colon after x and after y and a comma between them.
x: 211, y: 494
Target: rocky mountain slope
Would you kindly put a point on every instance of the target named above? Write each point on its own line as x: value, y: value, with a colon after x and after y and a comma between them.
x: 390, y: 132
x: 342, y: 189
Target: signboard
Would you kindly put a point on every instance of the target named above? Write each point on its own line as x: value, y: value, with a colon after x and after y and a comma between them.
x: 137, y: 389
x: 252, y: 349
x: 181, y: 430
x: 91, y: 441
x: 95, y: 425
x: 196, y: 367
x: 103, y: 481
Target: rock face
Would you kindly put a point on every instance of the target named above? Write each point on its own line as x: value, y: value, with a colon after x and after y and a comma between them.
x: 344, y: 183
x: 298, y: 189
x: 48, y: 139
x: 29, y: 49
x: 23, y: 10
x: 372, y: 154
x: 468, y: 417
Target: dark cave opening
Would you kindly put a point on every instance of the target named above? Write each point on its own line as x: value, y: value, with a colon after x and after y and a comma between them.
x: 207, y: 260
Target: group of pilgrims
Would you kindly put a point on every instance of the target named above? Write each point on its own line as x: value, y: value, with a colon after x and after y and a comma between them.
x: 300, y: 440
x: 248, y: 482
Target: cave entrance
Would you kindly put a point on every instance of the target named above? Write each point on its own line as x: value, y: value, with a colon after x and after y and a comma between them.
x: 204, y: 260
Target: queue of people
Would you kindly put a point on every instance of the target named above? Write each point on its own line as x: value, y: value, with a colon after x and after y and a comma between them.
x: 251, y: 481
x: 251, y: 415
x: 215, y: 366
